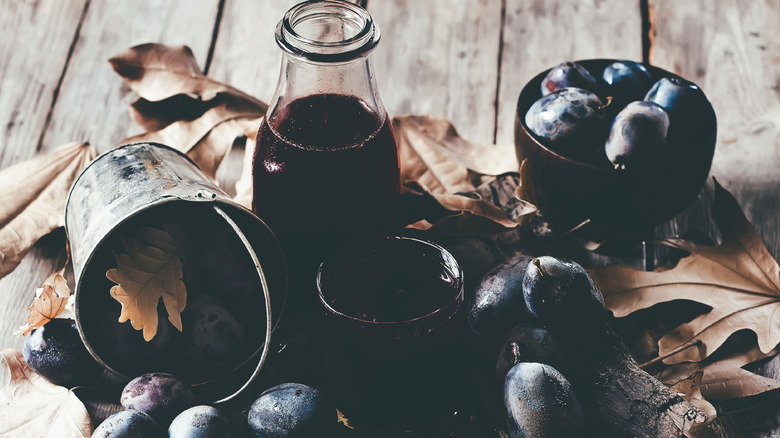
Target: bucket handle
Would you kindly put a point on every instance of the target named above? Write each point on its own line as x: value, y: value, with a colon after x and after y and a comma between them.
x: 267, y: 296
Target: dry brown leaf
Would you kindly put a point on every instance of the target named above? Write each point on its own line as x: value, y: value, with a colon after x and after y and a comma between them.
x: 40, y: 187
x: 725, y: 379
x: 149, y: 268
x: 437, y: 133
x: 157, y: 73
x: 182, y: 108
x: 738, y: 279
x: 30, y: 406
x: 49, y: 302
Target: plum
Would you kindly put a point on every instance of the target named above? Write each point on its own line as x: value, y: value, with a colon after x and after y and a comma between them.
x: 690, y: 114
x: 129, y: 424
x: 200, y: 422
x: 638, y: 136
x: 561, y: 294
x: 498, y: 301
x: 291, y: 410
x: 626, y: 81
x: 566, y: 75
x: 56, y: 352
x: 528, y: 343
x: 569, y: 121
x: 540, y: 403
x: 161, y: 395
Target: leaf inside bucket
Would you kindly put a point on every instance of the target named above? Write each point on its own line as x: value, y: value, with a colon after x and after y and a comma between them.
x: 149, y: 268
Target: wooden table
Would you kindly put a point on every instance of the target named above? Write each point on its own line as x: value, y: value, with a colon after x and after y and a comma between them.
x: 463, y: 59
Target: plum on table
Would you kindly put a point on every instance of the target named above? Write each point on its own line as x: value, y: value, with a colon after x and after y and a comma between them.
x: 200, y: 422
x: 129, y: 424
x: 291, y: 410
x: 56, y: 352
x: 161, y: 395
x: 540, y: 403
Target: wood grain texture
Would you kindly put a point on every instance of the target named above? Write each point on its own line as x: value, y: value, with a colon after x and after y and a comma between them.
x: 245, y: 54
x: 540, y: 34
x: 731, y: 49
x: 92, y: 105
x: 440, y: 57
x: 28, y: 80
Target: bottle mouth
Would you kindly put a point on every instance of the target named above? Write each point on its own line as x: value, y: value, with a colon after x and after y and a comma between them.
x: 327, y: 31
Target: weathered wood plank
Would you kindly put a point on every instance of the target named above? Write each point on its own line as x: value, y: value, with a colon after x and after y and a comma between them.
x: 540, y: 34
x: 92, y: 105
x: 440, y: 58
x: 37, y: 36
x: 731, y: 49
x: 245, y: 54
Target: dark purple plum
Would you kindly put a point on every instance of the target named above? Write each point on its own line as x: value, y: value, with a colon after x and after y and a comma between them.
x: 498, y: 300
x: 561, y: 294
x: 211, y: 337
x: 129, y: 424
x: 626, y: 81
x: 568, y: 74
x: 528, y: 343
x: 56, y: 352
x: 540, y: 402
x: 569, y: 121
x: 292, y: 410
x: 637, y: 139
x: 161, y: 395
x: 200, y: 422
x: 691, y: 117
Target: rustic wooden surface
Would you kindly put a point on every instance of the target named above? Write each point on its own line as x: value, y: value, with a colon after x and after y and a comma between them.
x: 465, y: 60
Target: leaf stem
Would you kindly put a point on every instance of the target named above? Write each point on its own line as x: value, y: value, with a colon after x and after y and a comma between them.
x: 679, y: 349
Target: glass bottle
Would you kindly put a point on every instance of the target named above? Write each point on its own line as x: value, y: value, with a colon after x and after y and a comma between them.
x: 325, y: 168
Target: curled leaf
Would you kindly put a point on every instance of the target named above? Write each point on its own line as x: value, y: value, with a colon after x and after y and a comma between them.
x: 179, y: 106
x: 30, y: 406
x: 690, y: 389
x: 50, y: 301
x: 40, y: 188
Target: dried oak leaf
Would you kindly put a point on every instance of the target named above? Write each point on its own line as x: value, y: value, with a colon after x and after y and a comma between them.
x: 724, y: 378
x: 738, y: 279
x: 40, y: 187
x: 49, y: 302
x: 30, y: 406
x: 181, y: 107
x: 149, y: 268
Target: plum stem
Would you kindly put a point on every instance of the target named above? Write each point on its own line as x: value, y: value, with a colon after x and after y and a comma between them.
x: 679, y: 349
x: 538, y: 265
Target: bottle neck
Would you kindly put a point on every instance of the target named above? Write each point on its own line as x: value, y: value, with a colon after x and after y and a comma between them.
x: 326, y: 50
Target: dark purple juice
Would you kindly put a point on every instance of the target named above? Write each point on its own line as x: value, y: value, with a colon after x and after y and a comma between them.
x: 394, y: 324
x: 325, y: 170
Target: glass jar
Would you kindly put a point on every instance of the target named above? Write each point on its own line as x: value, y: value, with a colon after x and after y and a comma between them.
x: 326, y: 167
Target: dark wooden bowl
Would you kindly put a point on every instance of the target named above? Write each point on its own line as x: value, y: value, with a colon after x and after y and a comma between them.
x: 568, y: 191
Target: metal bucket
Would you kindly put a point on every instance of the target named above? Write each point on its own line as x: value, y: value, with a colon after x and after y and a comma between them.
x: 239, y: 273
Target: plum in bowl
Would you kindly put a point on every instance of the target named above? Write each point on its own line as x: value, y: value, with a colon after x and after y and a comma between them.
x: 576, y: 180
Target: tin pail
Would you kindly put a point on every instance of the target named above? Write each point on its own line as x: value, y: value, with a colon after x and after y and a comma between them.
x: 149, y: 197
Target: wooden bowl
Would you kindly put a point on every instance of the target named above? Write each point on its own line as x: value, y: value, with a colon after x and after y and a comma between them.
x: 569, y: 192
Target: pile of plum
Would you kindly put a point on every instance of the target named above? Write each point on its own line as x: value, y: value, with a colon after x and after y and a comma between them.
x: 541, y: 305
x: 626, y: 119
x: 160, y: 404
